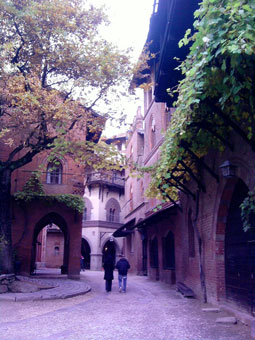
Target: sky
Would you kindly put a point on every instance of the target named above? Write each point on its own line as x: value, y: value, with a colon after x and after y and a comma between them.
x: 129, y: 28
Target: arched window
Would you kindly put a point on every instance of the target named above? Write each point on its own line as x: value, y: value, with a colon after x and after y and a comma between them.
x: 54, y: 173
x: 154, y: 253
x: 111, y: 214
x: 87, y: 210
x: 152, y: 132
x: 56, y: 251
x: 112, y: 210
x: 131, y: 197
x: 85, y: 216
x: 168, y: 251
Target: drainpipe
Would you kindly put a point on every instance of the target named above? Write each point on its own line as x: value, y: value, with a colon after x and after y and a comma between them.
x: 200, y: 249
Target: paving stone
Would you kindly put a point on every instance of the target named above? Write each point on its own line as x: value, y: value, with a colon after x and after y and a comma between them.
x: 3, y: 289
x: 227, y: 320
x: 149, y: 311
x: 22, y: 287
x: 62, y: 289
x: 211, y: 310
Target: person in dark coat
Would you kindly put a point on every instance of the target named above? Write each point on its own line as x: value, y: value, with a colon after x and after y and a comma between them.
x: 108, y: 272
x: 123, y: 267
x: 82, y: 263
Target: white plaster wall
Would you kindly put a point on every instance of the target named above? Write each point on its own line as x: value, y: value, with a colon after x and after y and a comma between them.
x: 98, y: 212
x: 98, y: 236
x: 93, y: 196
x: 92, y: 236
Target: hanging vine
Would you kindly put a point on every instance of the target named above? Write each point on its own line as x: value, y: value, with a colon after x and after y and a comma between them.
x: 33, y: 189
x: 216, y: 95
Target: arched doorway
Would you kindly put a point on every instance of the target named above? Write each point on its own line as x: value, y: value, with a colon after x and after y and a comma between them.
x: 58, y: 246
x: 154, y: 263
x: 239, y: 253
x: 109, y: 249
x: 49, y: 247
x: 168, y: 248
x: 85, y: 252
x: 143, y: 233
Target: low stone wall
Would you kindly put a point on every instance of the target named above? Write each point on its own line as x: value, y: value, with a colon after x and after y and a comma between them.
x: 5, y: 281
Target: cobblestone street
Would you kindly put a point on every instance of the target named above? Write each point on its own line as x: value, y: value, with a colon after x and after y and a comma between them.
x: 148, y: 311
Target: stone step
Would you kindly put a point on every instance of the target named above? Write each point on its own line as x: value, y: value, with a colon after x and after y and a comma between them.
x: 211, y: 310
x: 227, y: 320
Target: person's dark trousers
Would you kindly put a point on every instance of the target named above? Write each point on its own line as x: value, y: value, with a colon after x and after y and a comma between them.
x: 108, y: 285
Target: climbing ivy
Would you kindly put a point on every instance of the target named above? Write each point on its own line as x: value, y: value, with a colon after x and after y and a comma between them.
x: 248, y: 211
x: 33, y: 189
x: 216, y: 95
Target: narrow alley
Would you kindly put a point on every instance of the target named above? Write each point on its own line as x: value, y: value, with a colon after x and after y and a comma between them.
x: 148, y: 311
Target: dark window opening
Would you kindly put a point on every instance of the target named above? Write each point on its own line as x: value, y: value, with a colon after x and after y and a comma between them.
x: 85, y: 215
x: 191, y: 236
x: 154, y: 253
x: 56, y: 251
x: 111, y: 215
x: 168, y: 251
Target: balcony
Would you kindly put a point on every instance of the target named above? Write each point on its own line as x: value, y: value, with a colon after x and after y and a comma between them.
x: 106, y: 179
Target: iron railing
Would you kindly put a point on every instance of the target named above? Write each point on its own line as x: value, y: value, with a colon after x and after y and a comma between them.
x: 104, y: 178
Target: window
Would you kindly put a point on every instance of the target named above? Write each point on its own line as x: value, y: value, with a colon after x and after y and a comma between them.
x: 191, y: 235
x: 149, y: 96
x: 168, y: 251
x: 111, y: 214
x: 168, y: 115
x: 131, y: 197
x: 85, y: 215
x: 112, y: 210
x: 155, y: 6
x: 54, y: 173
x: 87, y: 210
x: 131, y: 153
x: 56, y: 251
x: 132, y: 243
x: 152, y: 132
x: 154, y: 253
x: 141, y: 191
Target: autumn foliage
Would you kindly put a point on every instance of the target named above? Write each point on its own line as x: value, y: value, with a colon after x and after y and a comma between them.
x: 56, y: 74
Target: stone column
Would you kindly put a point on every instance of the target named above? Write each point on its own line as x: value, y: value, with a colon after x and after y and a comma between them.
x: 96, y: 261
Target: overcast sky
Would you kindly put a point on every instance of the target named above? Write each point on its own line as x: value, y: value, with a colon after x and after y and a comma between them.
x: 129, y: 22
x: 129, y: 28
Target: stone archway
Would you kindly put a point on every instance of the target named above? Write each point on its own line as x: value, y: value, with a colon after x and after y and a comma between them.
x: 220, y: 236
x: 85, y: 252
x: 109, y: 248
x: 29, y: 219
x: 234, y: 248
x: 49, y: 219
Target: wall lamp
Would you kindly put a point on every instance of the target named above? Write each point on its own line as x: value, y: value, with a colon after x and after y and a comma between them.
x: 228, y: 169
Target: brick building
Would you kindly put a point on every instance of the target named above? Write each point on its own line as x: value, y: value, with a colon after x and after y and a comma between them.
x: 198, y: 241
x: 49, y: 234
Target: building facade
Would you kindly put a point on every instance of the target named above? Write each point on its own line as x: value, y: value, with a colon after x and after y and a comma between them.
x: 48, y: 233
x: 198, y: 241
x: 104, y: 200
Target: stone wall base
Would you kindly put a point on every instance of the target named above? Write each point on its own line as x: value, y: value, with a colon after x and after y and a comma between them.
x: 5, y: 281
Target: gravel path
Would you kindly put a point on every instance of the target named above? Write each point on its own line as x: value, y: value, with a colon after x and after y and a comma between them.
x: 148, y: 311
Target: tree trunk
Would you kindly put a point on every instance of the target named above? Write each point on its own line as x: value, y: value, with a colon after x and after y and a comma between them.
x: 6, y: 258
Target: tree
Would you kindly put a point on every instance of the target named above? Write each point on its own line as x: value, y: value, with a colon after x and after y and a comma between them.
x: 55, y: 72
